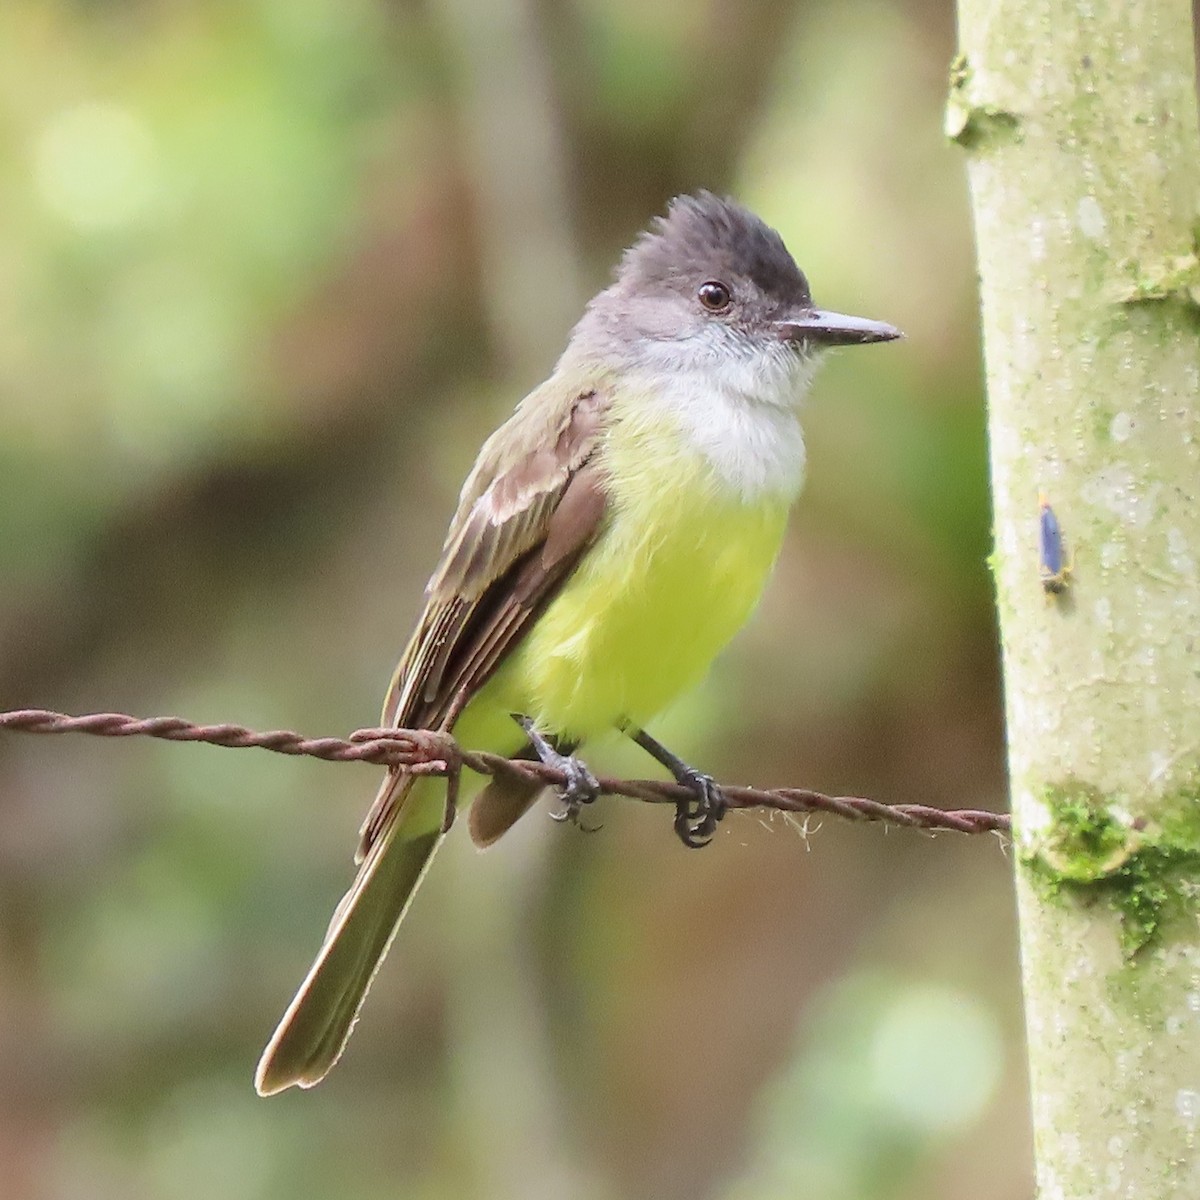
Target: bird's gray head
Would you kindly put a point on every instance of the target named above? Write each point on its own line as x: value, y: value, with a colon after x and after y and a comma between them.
x: 710, y: 287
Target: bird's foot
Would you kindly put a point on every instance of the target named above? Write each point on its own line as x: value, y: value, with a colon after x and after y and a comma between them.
x: 580, y: 788
x: 697, y: 817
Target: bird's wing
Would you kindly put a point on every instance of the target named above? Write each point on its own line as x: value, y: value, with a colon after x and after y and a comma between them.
x: 532, y: 504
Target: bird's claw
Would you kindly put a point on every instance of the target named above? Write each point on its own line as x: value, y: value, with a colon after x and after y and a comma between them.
x: 697, y: 817
x: 581, y: 788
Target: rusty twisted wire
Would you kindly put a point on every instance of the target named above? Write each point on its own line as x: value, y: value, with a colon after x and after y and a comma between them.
x: 429, y: 752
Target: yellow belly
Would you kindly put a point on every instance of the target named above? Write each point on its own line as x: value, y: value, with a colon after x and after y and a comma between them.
x: 676, y: 572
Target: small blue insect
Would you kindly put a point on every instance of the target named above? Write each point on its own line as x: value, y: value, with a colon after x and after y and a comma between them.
x: 1055, y: 567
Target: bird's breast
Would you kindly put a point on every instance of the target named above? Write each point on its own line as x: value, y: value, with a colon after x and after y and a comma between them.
x: 689, y: 538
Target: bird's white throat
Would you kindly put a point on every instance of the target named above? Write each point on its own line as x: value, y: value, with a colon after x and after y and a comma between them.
x: 740, y: 412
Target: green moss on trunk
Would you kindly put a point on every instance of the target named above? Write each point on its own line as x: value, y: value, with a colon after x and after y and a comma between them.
x: 1143, y: 871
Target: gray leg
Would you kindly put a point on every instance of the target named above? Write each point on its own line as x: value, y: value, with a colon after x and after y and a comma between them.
x: 581, y: 787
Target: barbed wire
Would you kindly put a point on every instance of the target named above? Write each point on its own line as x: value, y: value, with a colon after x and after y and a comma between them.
x: 428, y: 752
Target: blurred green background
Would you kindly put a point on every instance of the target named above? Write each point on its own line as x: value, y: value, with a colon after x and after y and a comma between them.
x: 269, y: 272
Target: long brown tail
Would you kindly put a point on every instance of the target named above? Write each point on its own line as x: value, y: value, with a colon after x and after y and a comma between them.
x: 314, y: 1030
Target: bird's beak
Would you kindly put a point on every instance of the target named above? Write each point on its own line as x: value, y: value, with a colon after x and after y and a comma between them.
x: 834, y: 329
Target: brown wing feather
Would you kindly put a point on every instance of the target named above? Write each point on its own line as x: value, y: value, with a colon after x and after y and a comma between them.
x: 503, y: 513
x: 531, y: 583
x: 499, y: 806
x: 516, y: 536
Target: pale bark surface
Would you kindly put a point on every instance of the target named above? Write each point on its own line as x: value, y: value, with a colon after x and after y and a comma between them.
x: 1079, y: 122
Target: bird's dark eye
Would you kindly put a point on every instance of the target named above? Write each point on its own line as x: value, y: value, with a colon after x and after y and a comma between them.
x: 714, y: 295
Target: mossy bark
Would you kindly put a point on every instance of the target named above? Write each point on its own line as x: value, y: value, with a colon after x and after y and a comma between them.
x: 1080, y: 127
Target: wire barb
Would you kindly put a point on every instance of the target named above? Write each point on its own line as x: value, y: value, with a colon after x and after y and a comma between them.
x: 430, y: 752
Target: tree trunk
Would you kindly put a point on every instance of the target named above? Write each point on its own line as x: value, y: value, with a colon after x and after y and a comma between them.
x: 1080, y: 126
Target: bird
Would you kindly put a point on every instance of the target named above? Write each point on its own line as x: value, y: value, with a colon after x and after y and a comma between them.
x: 613, y: 534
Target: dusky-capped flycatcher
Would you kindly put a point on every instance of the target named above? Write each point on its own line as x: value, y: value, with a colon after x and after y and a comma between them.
x: 614, y: 533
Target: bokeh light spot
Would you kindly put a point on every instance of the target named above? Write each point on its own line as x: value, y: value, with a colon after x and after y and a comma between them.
x: 95, y: 166
x: 935, y: 1059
